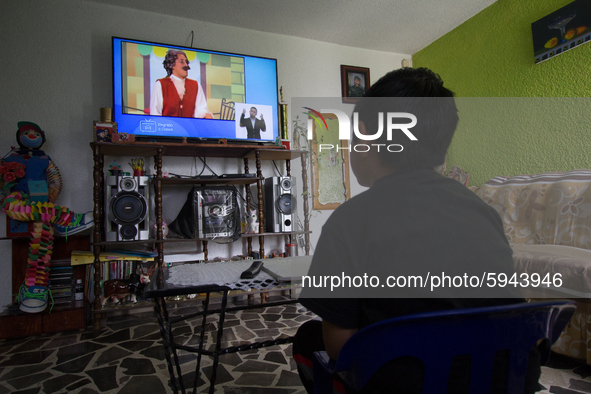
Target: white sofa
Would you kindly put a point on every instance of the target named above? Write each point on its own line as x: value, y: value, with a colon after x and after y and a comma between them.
x: 547, y: 220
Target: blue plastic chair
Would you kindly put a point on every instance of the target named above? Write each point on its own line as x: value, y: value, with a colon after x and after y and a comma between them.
x: 478, y: 332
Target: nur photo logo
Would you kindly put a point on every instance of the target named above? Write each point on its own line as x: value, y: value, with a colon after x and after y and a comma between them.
x: 388, y: 122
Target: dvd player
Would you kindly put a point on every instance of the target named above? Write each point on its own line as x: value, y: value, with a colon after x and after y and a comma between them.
x: 205, y: 177
x: 238, y: 176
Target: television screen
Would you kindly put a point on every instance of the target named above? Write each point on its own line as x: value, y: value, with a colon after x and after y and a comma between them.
x: 172, y: 91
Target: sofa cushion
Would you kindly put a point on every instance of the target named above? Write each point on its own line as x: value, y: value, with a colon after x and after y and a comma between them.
x: 549, y: 208
x: 573, y: 265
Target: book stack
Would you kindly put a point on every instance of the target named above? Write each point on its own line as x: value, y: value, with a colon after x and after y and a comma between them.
x: 61, y: 281
x: 117, y: 264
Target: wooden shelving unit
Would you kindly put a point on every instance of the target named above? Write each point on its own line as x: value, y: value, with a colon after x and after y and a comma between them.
x: 159, y: 151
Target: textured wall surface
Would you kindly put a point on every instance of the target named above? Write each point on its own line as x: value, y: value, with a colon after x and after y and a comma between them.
x: 58, y: 74
x: 491, y: 55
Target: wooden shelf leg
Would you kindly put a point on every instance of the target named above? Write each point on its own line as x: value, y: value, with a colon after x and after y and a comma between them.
x: 260, y: 197
x: 204, y: 243
x: 247, y: 192
x: 158, y: 206
x: 98, y: 213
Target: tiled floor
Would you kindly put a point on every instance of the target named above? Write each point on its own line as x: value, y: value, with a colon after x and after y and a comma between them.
x: 127, y: 356
x: 563, y: 375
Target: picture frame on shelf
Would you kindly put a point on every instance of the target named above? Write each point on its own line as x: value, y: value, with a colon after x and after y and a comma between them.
x: 107, y: 132
x: 104, y: 131
x: 354, y: 82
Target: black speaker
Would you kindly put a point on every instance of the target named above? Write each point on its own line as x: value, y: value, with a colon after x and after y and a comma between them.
x: 280, y: 204
x: 127, y: 208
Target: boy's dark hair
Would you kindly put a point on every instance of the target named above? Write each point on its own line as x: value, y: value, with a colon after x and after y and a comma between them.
x: 418, y: 91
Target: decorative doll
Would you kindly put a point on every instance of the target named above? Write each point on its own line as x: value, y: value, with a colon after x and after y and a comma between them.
x: 31, y: 200
x: 33, y: 196
x: 30, y: 138
x: 164, y: 229
x: 253, y: 223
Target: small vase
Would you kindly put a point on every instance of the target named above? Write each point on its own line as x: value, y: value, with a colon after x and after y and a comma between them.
x: 296, y: 141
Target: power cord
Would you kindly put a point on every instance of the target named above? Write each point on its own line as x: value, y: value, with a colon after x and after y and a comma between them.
x: 208, y: 167
x: 277, y: 169
x: 202, y: 168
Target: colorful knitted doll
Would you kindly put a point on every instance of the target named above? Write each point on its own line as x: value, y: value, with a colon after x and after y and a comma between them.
x: 31, y: 200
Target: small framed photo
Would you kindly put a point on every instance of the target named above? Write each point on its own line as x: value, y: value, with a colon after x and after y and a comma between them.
x: 104, y: 131
x: 354, y: 83
x: 107, y: 132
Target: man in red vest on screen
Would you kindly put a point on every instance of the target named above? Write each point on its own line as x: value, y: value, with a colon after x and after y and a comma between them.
x: 177, y: 95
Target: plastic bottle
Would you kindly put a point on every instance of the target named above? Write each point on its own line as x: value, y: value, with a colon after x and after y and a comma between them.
x: 79, y: 290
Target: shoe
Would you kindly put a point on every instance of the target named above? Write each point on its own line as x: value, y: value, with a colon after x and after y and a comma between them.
x: 79, y: 223
x: 33, y: 299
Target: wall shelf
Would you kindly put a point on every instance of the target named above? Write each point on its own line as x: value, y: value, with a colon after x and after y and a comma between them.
x: 212, y: 181
x: 243, y: 151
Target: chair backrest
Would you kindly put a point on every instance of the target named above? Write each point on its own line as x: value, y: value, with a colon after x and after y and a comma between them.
x: 227, y: 110
x: 478, y: 332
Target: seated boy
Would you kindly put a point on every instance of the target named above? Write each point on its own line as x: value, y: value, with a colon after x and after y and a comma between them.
x: 410, y: 221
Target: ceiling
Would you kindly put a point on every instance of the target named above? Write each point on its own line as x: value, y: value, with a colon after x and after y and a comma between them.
x: 400, y: 26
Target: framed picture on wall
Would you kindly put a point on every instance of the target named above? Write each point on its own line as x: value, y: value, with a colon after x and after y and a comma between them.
x: 330, y: 166
x: 562, y: 30
x: 354, y: 83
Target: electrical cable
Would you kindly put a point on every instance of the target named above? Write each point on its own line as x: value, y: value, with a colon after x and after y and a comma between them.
x: 202, y: 168
x: 208, y: 167
x: 192, y: 176
x: 180, y: 175
x: 277, y: 169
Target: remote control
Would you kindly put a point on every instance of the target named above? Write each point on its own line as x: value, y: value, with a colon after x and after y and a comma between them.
x: 253, y: 270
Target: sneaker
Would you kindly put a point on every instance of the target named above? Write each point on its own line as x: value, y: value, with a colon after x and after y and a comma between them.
x: 33, y: 299
x: 79, y: 223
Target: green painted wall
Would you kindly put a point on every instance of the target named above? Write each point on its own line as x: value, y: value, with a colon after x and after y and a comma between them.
x: 491, y: 55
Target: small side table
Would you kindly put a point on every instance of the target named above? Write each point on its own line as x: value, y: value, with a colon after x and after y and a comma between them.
x: 158, y: 290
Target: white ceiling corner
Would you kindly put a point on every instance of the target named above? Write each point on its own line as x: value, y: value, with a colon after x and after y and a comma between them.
x: 399, y: 26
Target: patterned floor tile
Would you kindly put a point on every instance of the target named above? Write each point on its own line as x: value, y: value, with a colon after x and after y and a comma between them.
x: 127, y: 356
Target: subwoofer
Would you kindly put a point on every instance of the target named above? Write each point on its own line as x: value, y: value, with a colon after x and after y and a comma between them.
x: 280, y: 204
x: 127, y: 208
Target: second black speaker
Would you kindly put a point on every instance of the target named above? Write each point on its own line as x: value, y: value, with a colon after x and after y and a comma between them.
x: 280, y: 204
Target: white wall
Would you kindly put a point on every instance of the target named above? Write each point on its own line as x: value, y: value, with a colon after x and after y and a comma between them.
x: 57, y: 72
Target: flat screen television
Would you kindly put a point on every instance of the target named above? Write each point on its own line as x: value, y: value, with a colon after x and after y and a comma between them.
x: 172, y: 91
